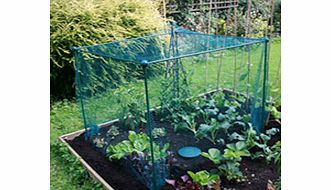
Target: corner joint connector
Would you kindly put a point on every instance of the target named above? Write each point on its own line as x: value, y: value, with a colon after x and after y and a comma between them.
x: 144, y: 62
x: 74, y: 48
x: 266, y: 39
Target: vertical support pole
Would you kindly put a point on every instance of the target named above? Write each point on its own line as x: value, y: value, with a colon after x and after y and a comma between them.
x: 265, y: 85
x: 149, y: 123
x: 249, y: 60
x: 176, y: 66
x: 74, y: 49
x: 235, y: 70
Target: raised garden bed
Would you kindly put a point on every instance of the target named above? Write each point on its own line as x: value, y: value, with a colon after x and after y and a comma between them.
x: 114, y: 175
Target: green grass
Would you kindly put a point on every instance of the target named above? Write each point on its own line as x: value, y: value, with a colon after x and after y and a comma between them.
x: 66, y: 172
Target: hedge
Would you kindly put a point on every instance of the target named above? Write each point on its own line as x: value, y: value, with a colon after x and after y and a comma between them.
x: 87, y: 22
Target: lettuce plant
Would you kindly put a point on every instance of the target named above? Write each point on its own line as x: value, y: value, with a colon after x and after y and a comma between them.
x: 201, y: 180
x: 187, y: 123
x: 228, y: 163
x: 136, y: 145
x: 113, y: 131
x: 214, y: 155
x: 235, y: 151
x: 204, y: 178
x: 231, y: 171
x: 159, y: 132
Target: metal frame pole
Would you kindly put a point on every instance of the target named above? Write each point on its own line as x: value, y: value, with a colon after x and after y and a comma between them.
x: 265, y: 84
x: 80, y: 93
x: 149, y: 123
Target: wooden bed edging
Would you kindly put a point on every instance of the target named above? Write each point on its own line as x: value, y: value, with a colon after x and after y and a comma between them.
x: 89, y: 169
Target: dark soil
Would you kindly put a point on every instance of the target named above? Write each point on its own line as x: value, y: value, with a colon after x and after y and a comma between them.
x: 258, y: 172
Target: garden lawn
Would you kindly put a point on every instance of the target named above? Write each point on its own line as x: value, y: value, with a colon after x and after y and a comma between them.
x: 67, y: 173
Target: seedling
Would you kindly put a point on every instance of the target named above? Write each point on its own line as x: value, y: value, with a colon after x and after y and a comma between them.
x: 113, y: 131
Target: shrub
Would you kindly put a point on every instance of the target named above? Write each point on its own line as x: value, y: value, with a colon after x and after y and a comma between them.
x: 87, y: 22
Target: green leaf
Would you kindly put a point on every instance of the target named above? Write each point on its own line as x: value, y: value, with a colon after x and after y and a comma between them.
x: 240, y: 145
x: 181, y: 126
x: 236, y: 136
x: 272, y: 131
x: 132, y: 136
x: 243, y: 76
x: 225, y: 125
x: 213, y: 178
x: 264, y: 138
x: 192, y: 175
x: 165, y: 147
x: 203, y: 130
x: 214, y: 153
x: 220, y: 117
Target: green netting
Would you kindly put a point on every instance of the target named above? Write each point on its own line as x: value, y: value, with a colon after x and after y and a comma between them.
x: 174, y: 79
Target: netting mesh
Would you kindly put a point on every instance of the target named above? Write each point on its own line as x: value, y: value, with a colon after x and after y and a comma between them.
x: 156, y: 48
x: 143, y: 97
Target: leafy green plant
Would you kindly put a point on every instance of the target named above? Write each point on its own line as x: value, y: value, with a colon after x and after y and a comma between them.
x: 211, y: 131
x: 227, y: 164
x: 137, y: 144
x: 113, y: 131
x: 272, y: 154
x: 173, y: 108
x: 231, y: 171
x: 274, y: 112
x: 186, y: 122
x: 159, y: 132
x: 99, y: 142
x: 235, y: 151
x: 204, y: 178
x: 132, y: 110
x: 200, y: 178
x: 278, y: 184
x: 132, y: 115
x: 250, y: 137
x: 219, y: 98
x: 214, y: 155
x: 276, y: 154
x: 206, y: 106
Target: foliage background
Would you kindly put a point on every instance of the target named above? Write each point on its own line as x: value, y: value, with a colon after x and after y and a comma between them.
x: 88, y: 22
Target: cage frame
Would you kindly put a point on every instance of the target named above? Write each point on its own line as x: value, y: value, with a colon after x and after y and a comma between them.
x: 146, y: 63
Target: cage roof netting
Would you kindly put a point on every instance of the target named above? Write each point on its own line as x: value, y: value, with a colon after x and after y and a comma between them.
x: 155, y: 47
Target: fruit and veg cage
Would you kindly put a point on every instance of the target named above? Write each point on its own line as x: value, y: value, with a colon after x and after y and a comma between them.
x: 182, y: 88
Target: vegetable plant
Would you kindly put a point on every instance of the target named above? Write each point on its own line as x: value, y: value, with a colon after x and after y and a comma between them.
x: 186, y: 122
x: 272, y: 154
x: 219, y: 98
x: 204, y: 178
x: 227, y: 166
x: 175, y: 107
x: 158, y: 132
x: 231, y: 171
x: 99, y: 142
x: 211, y: 131
x: 199, y: 181
x: 235, y: 151
x: 137, y: 145
x: 113, y: 131
x: 274, y: 112
x: 214, y: 155
x: 132, y: 115
x: 206, y: 106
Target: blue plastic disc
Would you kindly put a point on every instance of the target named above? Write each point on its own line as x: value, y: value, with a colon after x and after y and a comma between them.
x: 189, y: 152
